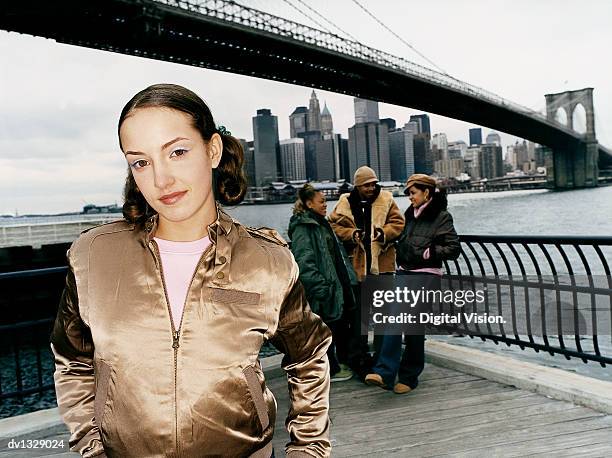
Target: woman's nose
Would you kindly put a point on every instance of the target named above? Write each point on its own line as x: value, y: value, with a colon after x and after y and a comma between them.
x: 163, y: 178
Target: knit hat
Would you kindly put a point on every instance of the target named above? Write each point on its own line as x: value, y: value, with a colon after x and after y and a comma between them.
x: 364, y: 175
x: 420, y: 178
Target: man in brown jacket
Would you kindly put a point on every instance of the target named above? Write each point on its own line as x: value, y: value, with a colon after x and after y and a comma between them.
x: 367, y: 220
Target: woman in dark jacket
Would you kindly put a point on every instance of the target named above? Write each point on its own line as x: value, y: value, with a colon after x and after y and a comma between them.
x: 325, y: 272
x: 428, y: 238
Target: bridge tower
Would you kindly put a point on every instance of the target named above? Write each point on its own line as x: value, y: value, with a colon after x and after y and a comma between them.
x: 575, y: 168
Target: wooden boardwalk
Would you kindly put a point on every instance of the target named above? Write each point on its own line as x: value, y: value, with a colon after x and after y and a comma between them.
x: 450, y: 413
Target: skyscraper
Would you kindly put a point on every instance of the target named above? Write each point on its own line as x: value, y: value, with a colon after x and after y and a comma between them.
x: 494, y: 138
x: 472, y: 162
x: 328, y: 159
x: 293, y: 163
x: 266, y: 147
x: 365, y: 110
x: 401, y: 152
x: 440, y: 142
x: 298, y: 121
x: 343, y: 152
x: 369, y: 145
x: 491, y: 161
x: 423, y: 161
x: 422, y: 121
x: 311, y: 137
x: 314, y: 114
x: 249, y: 161
x: 327, y: 124
x: 475, y: 136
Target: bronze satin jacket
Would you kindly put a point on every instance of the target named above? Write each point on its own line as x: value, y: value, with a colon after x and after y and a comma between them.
x: 130, y: 383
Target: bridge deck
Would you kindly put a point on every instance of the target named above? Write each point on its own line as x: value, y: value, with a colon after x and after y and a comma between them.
x: 449, y: 413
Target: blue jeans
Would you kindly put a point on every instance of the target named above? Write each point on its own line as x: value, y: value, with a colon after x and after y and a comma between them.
x: 406, y: 366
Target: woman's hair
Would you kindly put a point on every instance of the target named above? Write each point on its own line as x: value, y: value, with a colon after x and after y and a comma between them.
x: 304, y: 194
x: 229, y: 181
x: 433, y: 190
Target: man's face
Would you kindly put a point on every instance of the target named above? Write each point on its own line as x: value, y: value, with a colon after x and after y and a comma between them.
x: 366, y: 191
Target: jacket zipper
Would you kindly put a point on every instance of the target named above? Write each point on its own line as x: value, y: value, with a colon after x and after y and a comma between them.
x: 176, y: 334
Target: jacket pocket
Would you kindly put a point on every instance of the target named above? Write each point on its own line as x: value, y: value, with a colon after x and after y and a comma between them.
x: 103, y: 374
x: 257, y: 395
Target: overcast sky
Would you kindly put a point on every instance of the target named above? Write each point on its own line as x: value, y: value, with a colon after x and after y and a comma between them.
x: 59, y: 104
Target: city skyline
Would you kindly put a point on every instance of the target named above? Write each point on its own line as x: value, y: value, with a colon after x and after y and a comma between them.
x: 61, y: 103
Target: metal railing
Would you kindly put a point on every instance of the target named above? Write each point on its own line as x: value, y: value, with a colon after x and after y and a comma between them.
x: 516, y: 268
x: 26, y: 359
x: 556, y: 292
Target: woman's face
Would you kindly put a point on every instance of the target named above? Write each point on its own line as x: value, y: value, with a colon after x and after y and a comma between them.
x: 172, y: 164
x: 318, y: 204
x: 417, y: 197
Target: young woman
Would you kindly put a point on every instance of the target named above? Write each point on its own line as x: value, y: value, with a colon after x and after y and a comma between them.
x: 428, y: 238
x: 158, y: 332
x: 325, y: 272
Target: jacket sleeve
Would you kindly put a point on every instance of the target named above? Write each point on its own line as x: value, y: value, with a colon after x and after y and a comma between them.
x: 310, y: 273
x: 393, y: 224
x: 73, y: 349
x: 342, y: 226
x: 304, y: 339
x: 445, y: 244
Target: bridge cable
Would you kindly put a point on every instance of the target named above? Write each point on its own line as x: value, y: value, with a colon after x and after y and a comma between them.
x: 328, y: 21
x: 308, y: 16
x: 399, y: 38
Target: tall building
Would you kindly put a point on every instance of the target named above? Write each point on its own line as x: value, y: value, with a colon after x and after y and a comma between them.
x: 314, y: 113
x: 310, y: 153
x: 494, y: 138
x: 343, y: 153
x: 368, y: 144
x: 327, y: 124
x: 472, y: 162
x: 475, y: 136
x: 423, y: 160
x: 249, y: 161
x: 423, y: 122
x: 439, y: 146
x: 401, y: 152
x: 298, y: 121
x: 293, y: 163
x: 266, y: 147
x: 328, y: 159
x: 365, y: 110
x: 491, y: 161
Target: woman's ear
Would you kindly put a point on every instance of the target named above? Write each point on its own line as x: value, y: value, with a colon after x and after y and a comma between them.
x: 215, y: 150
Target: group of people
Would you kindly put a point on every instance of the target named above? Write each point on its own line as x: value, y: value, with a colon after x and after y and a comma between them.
x: 366, y: 234
x: 164, y: 313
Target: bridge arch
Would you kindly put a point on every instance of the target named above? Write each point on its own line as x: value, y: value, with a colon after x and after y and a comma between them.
x: 579, y: 118
x: 561, y: 116
x: 568, y: 102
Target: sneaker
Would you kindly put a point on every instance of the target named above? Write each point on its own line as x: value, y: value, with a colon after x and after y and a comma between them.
x: 400, y: 388
x: 342, y: 375
x: 375, y: 380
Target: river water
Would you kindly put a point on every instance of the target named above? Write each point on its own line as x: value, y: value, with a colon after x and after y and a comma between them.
x: 583, y: 212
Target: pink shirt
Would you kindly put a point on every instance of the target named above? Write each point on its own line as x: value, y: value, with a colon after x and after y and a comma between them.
x: 179, y: 261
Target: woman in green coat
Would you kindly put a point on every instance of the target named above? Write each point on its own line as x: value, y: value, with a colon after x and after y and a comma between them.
x: 325, y: 272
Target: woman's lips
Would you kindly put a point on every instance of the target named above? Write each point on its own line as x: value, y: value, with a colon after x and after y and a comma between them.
x: 170, y: 199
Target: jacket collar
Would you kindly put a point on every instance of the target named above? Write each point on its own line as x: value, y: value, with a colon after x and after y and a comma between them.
x: 223, y: 224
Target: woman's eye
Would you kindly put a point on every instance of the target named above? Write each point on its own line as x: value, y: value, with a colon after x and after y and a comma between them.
x: 140, y: 163
x: 178, y: 152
